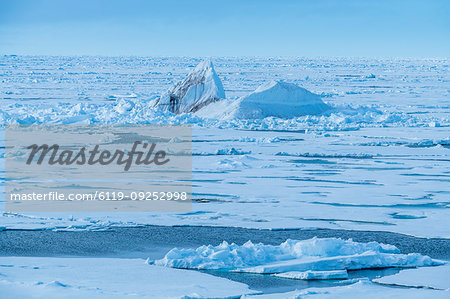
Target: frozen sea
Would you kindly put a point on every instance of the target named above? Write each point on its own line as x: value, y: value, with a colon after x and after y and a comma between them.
x: 374, y: 166
x: 379, y: 160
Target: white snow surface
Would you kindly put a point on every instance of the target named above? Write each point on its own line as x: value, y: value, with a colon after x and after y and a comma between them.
x: 201, y: 87
x: 43, y: 277
x: 430, y: 277
x: 362, y: 289
x: 272, y: 99
x: 315, y: 254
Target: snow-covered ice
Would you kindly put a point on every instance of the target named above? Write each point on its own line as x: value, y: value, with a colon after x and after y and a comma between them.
x: 47, y: 277
x: 361, y: 289
x: 368, y: 148
x: 313, y: 275
x: 430, y: 277
x: 315, y: 254
x: 376, y: 160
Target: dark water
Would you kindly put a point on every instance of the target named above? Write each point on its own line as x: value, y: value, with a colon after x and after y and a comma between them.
x: 273, y: 284
x: 154, y: 241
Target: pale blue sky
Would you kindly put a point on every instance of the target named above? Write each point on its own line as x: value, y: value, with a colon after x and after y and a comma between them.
x: 226, y: 28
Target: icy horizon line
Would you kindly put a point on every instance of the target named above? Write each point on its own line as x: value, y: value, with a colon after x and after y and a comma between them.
x: 236, y: 56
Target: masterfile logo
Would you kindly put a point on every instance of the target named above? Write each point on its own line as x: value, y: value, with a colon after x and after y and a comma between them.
x: 147, y: 156
x: 117, y: 168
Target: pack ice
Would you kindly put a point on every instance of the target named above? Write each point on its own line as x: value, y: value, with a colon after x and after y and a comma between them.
x: 201, y: 87
x: 306, y: 259
x: 276, y: 99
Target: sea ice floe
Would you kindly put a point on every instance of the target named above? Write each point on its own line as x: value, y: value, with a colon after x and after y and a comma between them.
x: 316, y: 254
x: 47, y: 277
x: 362, y: 289
x: 231, y: 151
x: 314, y: 275
x: 433, y: 278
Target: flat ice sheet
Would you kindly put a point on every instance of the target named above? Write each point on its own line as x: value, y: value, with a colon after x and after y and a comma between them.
x: 39, y: 277
x: 362, y: 289
x: 315, y: 275
x: 430, y: 277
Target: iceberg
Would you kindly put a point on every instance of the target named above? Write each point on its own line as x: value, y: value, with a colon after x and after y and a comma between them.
x: 200, y: 88
x: 316, y: 254
x: 273, y: 99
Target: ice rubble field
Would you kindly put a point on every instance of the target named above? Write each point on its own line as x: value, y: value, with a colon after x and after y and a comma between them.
x: 377, y: 160
x: 293, y: 258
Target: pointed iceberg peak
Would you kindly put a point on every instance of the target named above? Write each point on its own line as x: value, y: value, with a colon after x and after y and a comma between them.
x: 201, y: 87
x: 204, y: 64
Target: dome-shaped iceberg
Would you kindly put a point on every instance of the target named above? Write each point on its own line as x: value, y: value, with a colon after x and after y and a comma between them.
x: 276, y: 98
